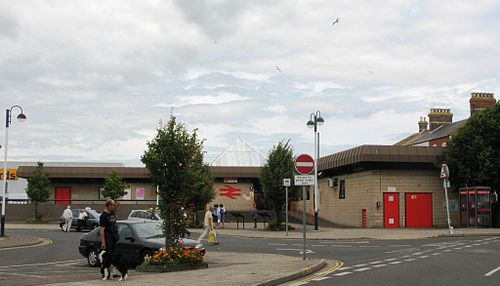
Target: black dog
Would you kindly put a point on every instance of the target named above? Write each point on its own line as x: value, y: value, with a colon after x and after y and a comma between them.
x: 119, y: 261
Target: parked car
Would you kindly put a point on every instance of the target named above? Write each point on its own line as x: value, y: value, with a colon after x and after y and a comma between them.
x: 91, y: 222
x: 143, y: 215
x: 138, y: 239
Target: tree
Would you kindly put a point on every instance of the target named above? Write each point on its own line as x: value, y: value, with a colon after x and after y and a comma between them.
x: 473, y: 152
x: 38, y: 187
x: 114, y: 186
x: 174, y: 159
x: 279, y: 165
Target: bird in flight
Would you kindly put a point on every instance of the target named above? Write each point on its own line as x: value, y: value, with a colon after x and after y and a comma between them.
x: 337, y: 21
x: 278, y: 68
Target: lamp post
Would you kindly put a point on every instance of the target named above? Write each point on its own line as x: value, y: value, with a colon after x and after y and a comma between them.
x: 8, y: 121
x: 315, y: 119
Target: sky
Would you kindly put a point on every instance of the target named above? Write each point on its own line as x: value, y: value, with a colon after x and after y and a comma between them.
x: 95, y: 78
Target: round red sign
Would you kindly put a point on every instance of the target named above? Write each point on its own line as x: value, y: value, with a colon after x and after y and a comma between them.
x: 304, y: 164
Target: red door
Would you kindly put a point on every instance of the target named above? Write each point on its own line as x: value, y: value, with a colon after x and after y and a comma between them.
x: 391, y: 210
x: 63, y: 194
x: 418, y: 210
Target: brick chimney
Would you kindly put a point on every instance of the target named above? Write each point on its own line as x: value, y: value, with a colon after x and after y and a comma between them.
x: 422, y: 124
x: 439, y: 117
x: 480, y: 101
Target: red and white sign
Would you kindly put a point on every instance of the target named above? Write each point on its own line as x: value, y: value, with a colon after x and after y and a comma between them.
x: 304, y: 164
x: 230, y: 192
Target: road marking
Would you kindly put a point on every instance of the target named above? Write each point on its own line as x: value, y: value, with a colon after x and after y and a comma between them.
x: 399, y: 245
x: 375, y: 262
x: 297, y: 244
x: 277, y: 244
x: 342, y: 273
x: 345, y: 268
x: 492, y: 271
x: 437, y: 253
x: 410, y: 259
x: 321, y: 278
x: 338, y: 265
x: 379, y: 265
x: 390, y: 259
x: 360, y: 265
x: 395, y: 262
x: 447, y: 250
x: 406, y: 256
x: 44, y: 242
x: 423, y: 256
x: 316, y: 245
x: 339, y: 245
x: 370, y: 246
x: 343, y: 241
x: 362, y: 269
x: 299, y: 283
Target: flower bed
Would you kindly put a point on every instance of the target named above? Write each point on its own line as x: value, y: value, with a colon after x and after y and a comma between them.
x: 175, y: 258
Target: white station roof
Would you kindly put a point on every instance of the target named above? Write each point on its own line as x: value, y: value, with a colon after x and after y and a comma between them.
x: 239, y: 154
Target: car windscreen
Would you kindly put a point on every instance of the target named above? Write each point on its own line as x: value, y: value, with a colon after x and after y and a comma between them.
x: 148, y: 230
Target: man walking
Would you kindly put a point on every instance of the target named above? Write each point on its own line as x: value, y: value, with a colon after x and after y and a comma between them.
x: 109, y: 230
x: 68, y: 218
x: 208, y: 225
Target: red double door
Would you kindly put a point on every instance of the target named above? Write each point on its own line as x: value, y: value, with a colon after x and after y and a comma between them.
x: 418, y: 210
x: 63, y: 196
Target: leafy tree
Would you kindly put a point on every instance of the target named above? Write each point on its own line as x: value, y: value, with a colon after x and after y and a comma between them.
x: 473, y: 152
x: 174, y: 159
x: 279, y: 165
x: 114, y: 186
x: 38, y: 187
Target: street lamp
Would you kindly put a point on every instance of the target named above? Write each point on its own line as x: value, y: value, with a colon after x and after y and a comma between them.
x: 8, y: 121
x: 315, y: 119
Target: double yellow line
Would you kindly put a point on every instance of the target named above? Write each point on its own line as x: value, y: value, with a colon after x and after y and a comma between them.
x: 335, y: 267
x: 44, y: 241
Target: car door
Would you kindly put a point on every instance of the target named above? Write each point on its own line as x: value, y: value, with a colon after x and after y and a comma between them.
x: 128, y: 247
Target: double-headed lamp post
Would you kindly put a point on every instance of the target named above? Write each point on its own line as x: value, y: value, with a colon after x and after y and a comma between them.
x: 8, y: 121
x: 315, y: 119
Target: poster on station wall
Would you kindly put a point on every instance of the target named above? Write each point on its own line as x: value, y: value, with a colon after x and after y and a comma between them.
x: 139, y: 193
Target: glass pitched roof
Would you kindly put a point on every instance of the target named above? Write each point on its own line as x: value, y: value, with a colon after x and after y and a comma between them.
x: 239, y: 154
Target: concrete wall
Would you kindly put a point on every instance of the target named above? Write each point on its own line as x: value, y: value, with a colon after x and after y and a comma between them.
x: 364, y: 189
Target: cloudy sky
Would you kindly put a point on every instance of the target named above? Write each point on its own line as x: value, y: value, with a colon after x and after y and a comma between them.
x: 95, y: 77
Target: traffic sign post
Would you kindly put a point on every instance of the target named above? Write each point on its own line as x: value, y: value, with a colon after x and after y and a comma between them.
x: 286, y: 184
x: 304, y: 164
x: 445, y: 174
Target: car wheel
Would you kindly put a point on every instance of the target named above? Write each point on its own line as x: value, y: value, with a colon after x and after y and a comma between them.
x: 92, y: 258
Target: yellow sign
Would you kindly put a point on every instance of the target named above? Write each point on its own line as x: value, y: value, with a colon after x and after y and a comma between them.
x: 11, y: 174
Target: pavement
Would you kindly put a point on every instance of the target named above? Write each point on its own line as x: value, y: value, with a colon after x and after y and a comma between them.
x: 227, y: 268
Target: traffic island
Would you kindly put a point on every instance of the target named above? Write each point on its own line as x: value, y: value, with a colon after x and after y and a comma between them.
x: 174, y: 268
x: 11, y: 241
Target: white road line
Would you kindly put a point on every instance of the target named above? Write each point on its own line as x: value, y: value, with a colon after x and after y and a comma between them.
x: 410, y: 259
x: 316, y: 245
x: 360, y: 265
x: 362, y: 269
x: 492, y: 271
x: 457, y: 248
x: 418, y: 253
x: 379, y: 265
x: 395, y: 262
x: 339, y: 245
x: 468, y: 246
x: 406, y: 256
x: 343, y: 241
x: 437, y: 253
x: 321, y: 278
x: 423, y: 256
x: 447, y: 250
x: 23, y: 275
x: 342, y: 273
x: 297, y: 244
x: 345, y: 268
x: 375, y: 262
x: 281, y: 244
x: 370, y: 246
x: 399, y: 245
x: 390, y: 259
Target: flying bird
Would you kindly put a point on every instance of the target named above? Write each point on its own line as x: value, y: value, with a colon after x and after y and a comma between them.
x: 278, y: 68
x: 337, y: 21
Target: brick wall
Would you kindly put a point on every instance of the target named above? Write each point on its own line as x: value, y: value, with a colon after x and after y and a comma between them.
x: 364, y: 189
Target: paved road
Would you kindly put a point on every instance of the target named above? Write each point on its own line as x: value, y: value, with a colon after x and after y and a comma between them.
x: 437, y: 261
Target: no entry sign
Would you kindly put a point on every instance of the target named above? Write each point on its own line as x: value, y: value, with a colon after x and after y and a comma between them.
x: 304, y: 164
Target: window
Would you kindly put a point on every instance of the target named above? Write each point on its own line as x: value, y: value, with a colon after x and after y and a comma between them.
x: 342, y: 189
x: 124, y: 231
